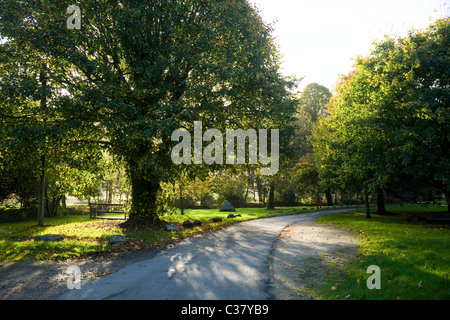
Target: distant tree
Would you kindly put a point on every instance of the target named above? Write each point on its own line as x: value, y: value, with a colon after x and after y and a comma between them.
x: 231, y: 185
x: 314, y: 99
x: 312, y: 105
x: 306, y: 178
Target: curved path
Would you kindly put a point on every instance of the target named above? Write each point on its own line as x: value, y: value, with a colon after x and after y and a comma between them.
x: 235, y: 263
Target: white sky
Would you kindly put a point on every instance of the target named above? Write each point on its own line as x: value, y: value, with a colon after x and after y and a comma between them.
x: 319, y: 39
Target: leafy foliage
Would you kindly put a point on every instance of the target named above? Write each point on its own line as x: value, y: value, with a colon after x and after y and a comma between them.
x: 387, y: 129
x: 138, y: 70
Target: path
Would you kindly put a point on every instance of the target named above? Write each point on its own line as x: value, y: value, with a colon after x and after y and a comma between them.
x: 241, y: 262
x: 299, y: 255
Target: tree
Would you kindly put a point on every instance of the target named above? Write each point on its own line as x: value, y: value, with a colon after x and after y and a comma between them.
x: 424, y: 137
x: 412, y: 89
x: 142, y: 69
x: 389, y: 115
x: 314, y: 99
x: 231, y: 185
x: 305, y: 177
x: 313, y: 103
x: 350, y: 144
x: 201, y: 189
x: 38, y: 134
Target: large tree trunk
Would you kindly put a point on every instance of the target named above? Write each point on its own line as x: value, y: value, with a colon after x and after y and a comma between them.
x: 381, y: 209
x: 143, y: 199
x: 270, y: 199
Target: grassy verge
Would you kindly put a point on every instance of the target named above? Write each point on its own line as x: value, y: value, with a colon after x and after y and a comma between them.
x: 85, y: 237
x: 413, y: 257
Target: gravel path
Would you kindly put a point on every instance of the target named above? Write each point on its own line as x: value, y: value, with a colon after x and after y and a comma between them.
x: 299, y: 254
x: 297, y: 240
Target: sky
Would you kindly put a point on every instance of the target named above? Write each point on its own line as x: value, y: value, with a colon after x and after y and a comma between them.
x: 318, y: 39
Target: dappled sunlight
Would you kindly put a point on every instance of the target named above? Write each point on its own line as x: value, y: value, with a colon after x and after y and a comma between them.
x: 232, y: 263
x: 90, y: 229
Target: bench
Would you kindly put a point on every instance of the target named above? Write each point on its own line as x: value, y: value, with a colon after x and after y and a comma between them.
x: 100, y: 210
x: 438, y: 219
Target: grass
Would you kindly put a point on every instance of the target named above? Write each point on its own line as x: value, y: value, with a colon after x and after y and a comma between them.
x: 85, y: 237
x: 413, y: 257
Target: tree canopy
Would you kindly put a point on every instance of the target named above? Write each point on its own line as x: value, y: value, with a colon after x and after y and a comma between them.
x: 135, y: 71
x: 389, y: 128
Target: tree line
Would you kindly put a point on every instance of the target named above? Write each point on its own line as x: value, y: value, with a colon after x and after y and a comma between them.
x: 388, y: 129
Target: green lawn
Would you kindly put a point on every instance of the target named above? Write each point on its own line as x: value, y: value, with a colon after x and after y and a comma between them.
x: 84, y: 236
x: 414, y: 257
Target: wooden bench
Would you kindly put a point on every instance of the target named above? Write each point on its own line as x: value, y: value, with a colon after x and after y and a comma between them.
x: 100, y: 210
x: 438, y: 219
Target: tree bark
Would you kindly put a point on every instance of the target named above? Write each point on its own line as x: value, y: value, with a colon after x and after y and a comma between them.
x: 43, y: 106
x: 381, y: 209
x: 52, y: 204
x: 143, y: 200
x: 366, y: 201
x: 246, y: 196
x: 259, y: 188
x: 63, y: 202
x: 447, y: 198
x: 329, y: 198
x: 270, y: 199
x: 41, y: 208
x: 110, y: 191
x: 181, y: 201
